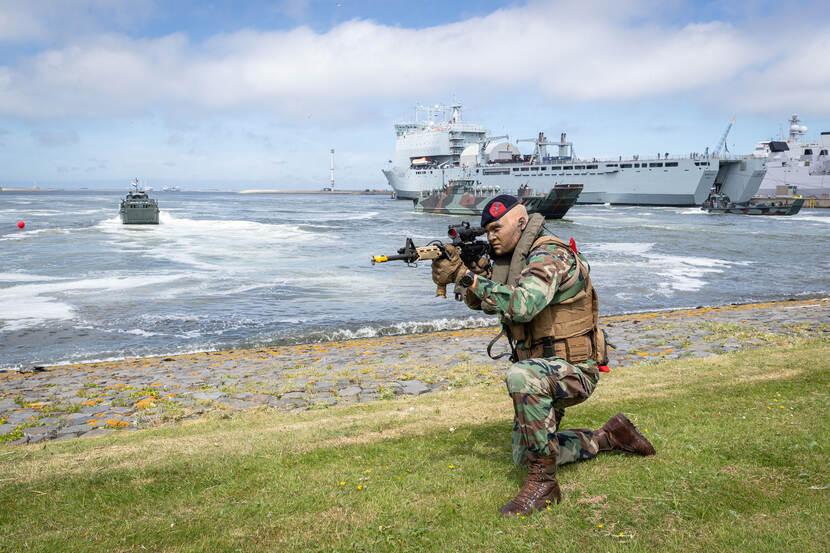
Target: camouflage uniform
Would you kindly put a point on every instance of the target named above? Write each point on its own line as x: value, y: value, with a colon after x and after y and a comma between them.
x: 541, y: 388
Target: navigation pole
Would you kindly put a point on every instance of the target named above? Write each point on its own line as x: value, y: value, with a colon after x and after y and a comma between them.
x: 332, y: 169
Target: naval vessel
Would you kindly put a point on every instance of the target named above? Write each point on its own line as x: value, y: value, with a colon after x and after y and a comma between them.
x: 438, y: 146
x: 137, y: 208
x: 720, y: 204
x: 468, y: 197
x: 793, y: 161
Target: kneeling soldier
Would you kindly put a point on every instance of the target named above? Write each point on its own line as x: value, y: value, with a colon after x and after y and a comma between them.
x: 540, y: 287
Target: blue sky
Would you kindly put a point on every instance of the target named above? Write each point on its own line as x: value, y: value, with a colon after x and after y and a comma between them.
x: 254, y: 94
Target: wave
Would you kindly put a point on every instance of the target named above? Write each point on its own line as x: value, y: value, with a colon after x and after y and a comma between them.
x: 627, y: 248
x: 27, y: 305
x: 409, y: 327
x: 25, y: 277
x: 216, y: 244
x: 681, y: 273
x: 25, y: 234
x: 811, y: 218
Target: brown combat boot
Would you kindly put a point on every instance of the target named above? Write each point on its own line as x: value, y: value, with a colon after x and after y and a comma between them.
x: 541, y: 488
x: 620, y: 433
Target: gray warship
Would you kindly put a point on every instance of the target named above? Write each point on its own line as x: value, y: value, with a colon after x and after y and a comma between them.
x: 438, y: 145
x: 137, y: 208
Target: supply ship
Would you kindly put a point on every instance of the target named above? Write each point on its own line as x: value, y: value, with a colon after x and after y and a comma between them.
x: 792, y: 161
x: 438, y: 146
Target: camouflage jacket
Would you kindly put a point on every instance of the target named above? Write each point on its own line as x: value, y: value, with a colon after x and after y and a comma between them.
x: 547, y: 266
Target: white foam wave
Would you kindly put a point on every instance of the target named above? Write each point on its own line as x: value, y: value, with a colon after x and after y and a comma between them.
x: 410, y: 327
x: 24, y: 277
x: 627, y: 248
x: 27, y: 305
x: 216, y: 244
x: 87, y: 211
x: 681, y: 273
x: 318, y: 216
x: 25, y: 234
x: 43, y: 213
x: 611, y: 218
x: 811, y: 218
x: 141, y: 332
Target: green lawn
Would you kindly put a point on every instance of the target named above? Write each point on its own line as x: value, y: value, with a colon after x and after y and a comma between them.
x: 742, y: 440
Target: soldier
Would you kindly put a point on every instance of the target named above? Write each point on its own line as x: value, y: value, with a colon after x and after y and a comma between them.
x: 541, y: 289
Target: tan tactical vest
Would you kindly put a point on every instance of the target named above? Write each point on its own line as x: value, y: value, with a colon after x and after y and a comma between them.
x: 571, y: 317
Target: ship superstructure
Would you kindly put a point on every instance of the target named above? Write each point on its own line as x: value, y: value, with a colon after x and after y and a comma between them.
x: 431, y: 152
x: 436, y: 138
x: 796, y: 161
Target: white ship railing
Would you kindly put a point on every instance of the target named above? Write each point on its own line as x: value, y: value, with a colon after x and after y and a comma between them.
x: 692, y: 156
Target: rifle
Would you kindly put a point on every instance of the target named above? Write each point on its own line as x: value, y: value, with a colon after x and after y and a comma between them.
x: 464, y: 238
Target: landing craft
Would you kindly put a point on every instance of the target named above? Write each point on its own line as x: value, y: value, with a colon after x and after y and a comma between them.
x: 468, y: 197
x: 720, y: 204
x: 138, y: 208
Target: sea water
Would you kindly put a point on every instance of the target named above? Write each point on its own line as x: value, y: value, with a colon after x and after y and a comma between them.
x: 225, y: 270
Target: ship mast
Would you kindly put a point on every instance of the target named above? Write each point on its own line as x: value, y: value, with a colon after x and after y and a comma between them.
x: 797, y: 130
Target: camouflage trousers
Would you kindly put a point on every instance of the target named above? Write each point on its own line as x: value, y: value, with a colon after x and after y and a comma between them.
x: 541, y: 388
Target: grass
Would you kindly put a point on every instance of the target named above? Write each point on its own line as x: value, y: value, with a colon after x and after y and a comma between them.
x: 741, y: 439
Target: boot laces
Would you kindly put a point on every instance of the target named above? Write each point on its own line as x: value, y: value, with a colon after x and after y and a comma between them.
x: 534, y: 487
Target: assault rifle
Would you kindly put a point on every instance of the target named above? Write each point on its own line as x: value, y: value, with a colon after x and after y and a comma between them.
x: 464, y: 238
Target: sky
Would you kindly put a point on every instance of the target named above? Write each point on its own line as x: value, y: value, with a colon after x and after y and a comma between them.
x: 235, y: 95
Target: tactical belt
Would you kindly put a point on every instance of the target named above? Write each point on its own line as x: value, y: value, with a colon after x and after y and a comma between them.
x: 548, y: 349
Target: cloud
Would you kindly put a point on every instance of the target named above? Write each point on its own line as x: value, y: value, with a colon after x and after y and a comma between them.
x: 563, y: 52
x: 53, y: 20
x: 55, y: 138
x: 795, y: 79
x: 295, y: 9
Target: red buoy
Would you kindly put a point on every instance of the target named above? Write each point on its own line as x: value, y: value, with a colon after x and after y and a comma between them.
x: 21, y: 224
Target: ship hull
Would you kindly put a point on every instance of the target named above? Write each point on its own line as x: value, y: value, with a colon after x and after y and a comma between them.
x: 814, y: 184
x: 140, y: 216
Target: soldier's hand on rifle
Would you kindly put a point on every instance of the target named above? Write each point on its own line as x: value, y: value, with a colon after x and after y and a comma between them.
x: 481, y: 267
x: 447, y: 270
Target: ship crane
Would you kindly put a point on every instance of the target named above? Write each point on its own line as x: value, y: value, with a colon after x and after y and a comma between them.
x: 722, y: 144
x: 487, y: 140
x: 540, y: 150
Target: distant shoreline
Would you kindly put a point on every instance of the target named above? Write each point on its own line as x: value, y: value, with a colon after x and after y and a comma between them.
x: 353, y: 192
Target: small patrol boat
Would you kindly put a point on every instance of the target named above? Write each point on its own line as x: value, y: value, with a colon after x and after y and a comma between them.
x: 138, y: 208
x: 720, y: 203
x: 468, y: 197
